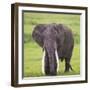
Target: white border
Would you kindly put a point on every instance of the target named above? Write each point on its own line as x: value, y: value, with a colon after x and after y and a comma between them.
x: 53, y: 78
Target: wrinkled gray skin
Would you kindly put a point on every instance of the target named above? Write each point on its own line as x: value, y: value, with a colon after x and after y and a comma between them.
x: 53, y: 37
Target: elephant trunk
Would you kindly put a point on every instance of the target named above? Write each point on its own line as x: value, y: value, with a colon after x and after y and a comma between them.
x: 53, y: 61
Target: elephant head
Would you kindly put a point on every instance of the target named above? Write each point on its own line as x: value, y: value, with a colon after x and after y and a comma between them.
x: 46, y: 36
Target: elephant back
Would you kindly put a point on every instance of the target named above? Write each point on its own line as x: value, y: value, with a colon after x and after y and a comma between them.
x: 65, y: 41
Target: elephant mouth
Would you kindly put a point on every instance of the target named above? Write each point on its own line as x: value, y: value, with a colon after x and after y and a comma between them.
x: 43, y: 61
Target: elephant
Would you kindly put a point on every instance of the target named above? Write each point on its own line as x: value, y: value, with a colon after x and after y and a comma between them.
x: 57, y: 43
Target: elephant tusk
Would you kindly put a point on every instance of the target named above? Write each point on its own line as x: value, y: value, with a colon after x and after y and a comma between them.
x: 57, y: 58
x: 43, y: 58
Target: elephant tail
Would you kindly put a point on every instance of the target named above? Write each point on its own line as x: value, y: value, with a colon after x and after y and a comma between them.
x: 71, y: 67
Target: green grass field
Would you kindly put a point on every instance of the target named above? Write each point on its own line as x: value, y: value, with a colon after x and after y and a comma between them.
x: 33, y: 53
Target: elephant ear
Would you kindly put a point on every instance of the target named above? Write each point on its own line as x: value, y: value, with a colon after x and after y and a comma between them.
x: 37, y: 34
x: 60, y: 37
x: 59, y: 28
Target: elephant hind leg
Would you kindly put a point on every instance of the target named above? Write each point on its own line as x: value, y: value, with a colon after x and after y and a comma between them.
x: 67, y: 65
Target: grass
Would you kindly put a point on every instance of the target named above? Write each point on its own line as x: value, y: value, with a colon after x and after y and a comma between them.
x: 33, y: 53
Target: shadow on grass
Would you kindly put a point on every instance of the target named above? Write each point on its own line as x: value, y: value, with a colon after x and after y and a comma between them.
x: 40, y: 74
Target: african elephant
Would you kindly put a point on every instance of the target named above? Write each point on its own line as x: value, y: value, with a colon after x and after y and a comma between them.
x: 57, y: 42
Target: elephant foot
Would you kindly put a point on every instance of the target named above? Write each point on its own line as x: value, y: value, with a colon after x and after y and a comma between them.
x: 67, y: 68
x: 50, y: 73
x: 53, y: 73
x: 47, y: 73
x: 66, y: 71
